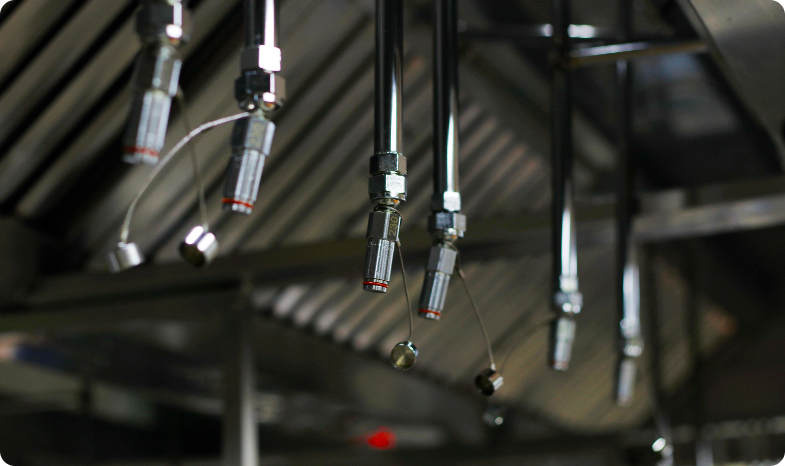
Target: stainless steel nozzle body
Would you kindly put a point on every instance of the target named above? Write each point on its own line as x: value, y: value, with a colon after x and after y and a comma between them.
x: 161, y: 25
x: 155, y: 84
x: 252, y: 140
x: 384, y: 225
x: 125, y: 256
x: 567, y: 302
x: 438, y: 271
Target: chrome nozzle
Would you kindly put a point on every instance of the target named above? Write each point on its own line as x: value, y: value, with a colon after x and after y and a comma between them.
x: 384, y: 225
x: 125, y: 256
x: 200, y: 247
x: 252, y: 140
x: 155, y: 84
x: 625, y: 381
x: 562, y: 337
x: 438, y: 271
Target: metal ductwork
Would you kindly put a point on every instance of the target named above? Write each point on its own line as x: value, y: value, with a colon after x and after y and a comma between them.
x: 747, y: 40
x: 630, y: 341
x: 161, y: 25
x: 261, y: 91
x: 446, y: 223
x: 387, y: 184
x: 567, y: 300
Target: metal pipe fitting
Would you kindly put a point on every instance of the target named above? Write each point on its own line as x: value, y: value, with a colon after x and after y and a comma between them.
x: 125, y: 256
x: 387, y: 184
x: 488, y: 382
x: 384, y: 226
x: 161, y: 26
x: 200, y: 247
x: 567, y: 299
x: 259, y: 87
x: 252, y: 140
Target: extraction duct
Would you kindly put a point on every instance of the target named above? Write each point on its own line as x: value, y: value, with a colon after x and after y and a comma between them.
x: 446, y: 223
x: 567, y: 300
x: 258, y: 90
x: 387, y: 185
x: 162, y: 25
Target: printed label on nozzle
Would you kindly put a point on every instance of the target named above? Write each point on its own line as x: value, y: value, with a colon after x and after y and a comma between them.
x: 392, y: 231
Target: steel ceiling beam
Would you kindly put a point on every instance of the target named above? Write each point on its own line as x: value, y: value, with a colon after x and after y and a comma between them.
x: 665, y: 217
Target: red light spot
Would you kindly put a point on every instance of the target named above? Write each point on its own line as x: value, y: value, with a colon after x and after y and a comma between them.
x: 383, y: 439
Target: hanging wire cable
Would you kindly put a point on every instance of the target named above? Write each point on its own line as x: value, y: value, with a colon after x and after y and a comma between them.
x: 167, y: 158
x: 476, y: 311
x: 200, y: 198
x: 406, y: 290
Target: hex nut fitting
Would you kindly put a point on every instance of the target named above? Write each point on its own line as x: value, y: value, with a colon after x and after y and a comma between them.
x: 449, y: 201
x: 568, y: 302
x: 259, y: 89
x: 388, y: 163
x: 163, y: 20
x: 451, y: 224
x: 261, y: 57
x: 387, y: 186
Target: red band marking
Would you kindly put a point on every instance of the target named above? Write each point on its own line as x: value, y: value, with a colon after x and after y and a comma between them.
x: 141, y: 150
x: 226, y: 200
x: 375, y: 283
x: 428, y: 311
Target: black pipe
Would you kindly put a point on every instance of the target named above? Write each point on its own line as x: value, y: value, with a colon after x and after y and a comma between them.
x: 388, y: 127
x: 261, y: 23
x: 445, y: 103
x: 564, y: 250
x: 567, y: 300
x: 627, y: 278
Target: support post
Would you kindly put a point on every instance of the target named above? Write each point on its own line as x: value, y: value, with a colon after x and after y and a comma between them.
x: 240, y: 431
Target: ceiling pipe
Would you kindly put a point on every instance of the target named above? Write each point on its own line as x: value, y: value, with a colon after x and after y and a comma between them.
x: 162, y: 25
x: 630, y: 341
x: 567, y: 300
x: 261, y: 91
x: 446, y: 223
x: 387, y: 184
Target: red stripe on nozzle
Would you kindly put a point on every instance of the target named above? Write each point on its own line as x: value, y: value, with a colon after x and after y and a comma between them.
x: 428, y: 311
x: 375, y: 283
x: 141, y: 150
x: 226, y: 200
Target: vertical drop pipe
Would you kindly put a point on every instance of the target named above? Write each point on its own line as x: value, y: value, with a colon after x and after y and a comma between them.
x: 629, y: 339
x: 567, y: 300
x: 387, y: 184
x: 446, y: 223
x: 661, y: 412
x: 261, y: 91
